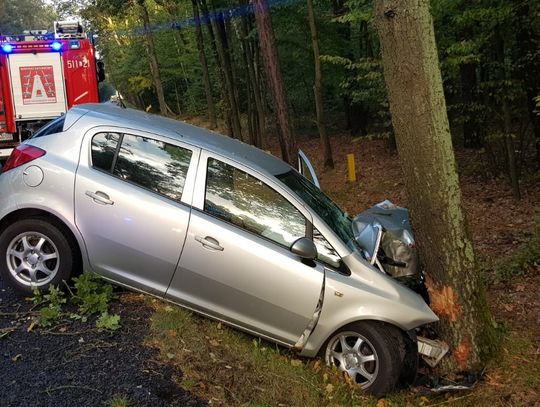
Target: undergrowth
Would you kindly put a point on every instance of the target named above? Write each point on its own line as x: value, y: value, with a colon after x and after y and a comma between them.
x: 90, y: 293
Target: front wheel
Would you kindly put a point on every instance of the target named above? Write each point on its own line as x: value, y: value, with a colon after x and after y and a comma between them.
x: 371, y: 353
x: 34, y: 253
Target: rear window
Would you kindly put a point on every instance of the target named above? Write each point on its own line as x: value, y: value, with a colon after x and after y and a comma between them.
x: 54, y: 126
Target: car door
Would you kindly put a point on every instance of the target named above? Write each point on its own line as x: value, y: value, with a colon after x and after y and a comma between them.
x: 306, y: 169
x: 236, y: 264
x: 132, y: 205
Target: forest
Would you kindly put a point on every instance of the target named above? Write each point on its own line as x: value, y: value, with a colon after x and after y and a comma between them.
x: 329, y: 76
x: 201, y: 58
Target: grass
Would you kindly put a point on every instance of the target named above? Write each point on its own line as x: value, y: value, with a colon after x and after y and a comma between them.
x: 228, y: 367
x: 118, y: 401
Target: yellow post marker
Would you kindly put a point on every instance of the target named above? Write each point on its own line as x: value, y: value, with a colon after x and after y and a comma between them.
x: 351, y: 166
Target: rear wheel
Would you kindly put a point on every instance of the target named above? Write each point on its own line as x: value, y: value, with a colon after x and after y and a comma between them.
x: 371, y: 353
x: 34, y: 253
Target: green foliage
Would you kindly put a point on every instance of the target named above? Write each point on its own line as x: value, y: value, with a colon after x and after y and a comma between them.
x: 108, y: 322
x: 49, y: 315
x: 54, y: 299
x: 20, y: 15
x: 92, y: 293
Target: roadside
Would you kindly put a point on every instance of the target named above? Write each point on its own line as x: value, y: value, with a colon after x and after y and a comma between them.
x: 72, y: 363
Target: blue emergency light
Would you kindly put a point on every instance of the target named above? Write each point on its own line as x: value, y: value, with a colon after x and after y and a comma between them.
x: 7, y: 48
x: 56, y: 46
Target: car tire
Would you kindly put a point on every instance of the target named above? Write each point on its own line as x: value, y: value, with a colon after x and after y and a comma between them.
x: 372, y: 353
x: 35, y: 253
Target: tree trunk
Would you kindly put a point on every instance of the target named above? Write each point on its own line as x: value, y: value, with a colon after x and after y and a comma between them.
x: 219, y: 62
x: 317, y: 89
x: 253, y: 80
x: 472, y: 137
x: 204, y: 65
x: 287, y: 141
x: 154, y: 67
x: 510, y: 150
x: 420, y: 121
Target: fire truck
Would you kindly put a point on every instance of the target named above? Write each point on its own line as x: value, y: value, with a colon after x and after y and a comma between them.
x: 42, y: 75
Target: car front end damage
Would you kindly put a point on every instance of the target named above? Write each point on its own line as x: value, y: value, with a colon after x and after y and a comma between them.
x: 385, y: 237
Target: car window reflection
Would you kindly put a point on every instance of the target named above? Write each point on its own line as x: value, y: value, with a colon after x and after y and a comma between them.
x: 149, y: 163
x: 247, y: 202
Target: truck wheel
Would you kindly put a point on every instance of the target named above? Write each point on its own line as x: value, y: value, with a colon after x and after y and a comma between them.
x: 371, y: 353
x: 34, y: 253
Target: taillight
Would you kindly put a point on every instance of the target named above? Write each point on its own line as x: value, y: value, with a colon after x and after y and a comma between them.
x: 22, y: 154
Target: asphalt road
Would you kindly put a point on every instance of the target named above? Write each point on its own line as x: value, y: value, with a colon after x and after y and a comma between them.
x: 73, y: 364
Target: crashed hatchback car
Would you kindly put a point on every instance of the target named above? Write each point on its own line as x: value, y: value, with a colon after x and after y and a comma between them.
x: 216, y: 226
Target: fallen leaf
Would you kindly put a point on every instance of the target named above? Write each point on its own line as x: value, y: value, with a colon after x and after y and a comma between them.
x: 170, y: 355
x: 329, y: 388
x: 228, y: 367
x: 520, y: 288
x: 213, y: 342
x: 508, y: 307
x: 172, y: 333
x: 296, y: 362
x: 63, y: 329
x: 383, y: 403
x: 317, y: 365
x: 16, y: 357
x: 219, y: 325
x: 31, y: 326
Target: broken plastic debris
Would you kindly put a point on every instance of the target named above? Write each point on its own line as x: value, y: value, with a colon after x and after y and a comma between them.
x: 432, y: 350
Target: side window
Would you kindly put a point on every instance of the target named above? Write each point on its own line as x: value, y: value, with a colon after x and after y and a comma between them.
x: 54, y: 126
x: 325, y: 251
x: 154, y: 165
x: 104, y: 147
x: 247, y: 202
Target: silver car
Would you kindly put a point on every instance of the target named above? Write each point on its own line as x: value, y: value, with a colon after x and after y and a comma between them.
x: 212, y: 224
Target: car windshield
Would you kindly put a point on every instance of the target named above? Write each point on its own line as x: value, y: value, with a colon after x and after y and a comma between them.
x: 338, y: 220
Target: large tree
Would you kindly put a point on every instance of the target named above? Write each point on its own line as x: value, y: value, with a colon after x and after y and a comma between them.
x: 287, y: 140
x: 317, y: 89
x: 420, y: 122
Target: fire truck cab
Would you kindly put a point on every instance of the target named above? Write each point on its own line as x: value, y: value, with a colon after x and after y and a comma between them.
x: 42, y: 75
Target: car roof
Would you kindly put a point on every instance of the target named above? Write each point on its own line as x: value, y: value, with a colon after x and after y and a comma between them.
x: 107, y: 114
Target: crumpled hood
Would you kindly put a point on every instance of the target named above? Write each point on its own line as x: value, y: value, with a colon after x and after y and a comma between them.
x: 397, y: 243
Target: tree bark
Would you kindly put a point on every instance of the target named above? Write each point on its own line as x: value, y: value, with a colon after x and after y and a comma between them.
x: 253, y: 80
x: 204, y: 64
x: 420, y: 121
x: 287, y: 141
x: 317, y: 89
x: 154, y: 66
x: 219, y: 62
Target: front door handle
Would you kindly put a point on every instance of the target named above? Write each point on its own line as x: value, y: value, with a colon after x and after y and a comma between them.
x: 209, y: 242
x: 100, y: 197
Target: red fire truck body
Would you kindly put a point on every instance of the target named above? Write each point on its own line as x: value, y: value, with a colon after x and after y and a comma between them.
x: 41, y: 77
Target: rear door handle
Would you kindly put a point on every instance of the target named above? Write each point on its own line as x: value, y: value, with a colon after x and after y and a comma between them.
x: 100, y: 197
x: 209, y: 242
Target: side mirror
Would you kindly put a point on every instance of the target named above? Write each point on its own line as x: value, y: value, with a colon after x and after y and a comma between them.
x: 100, y: 71
x: 304, y: 248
